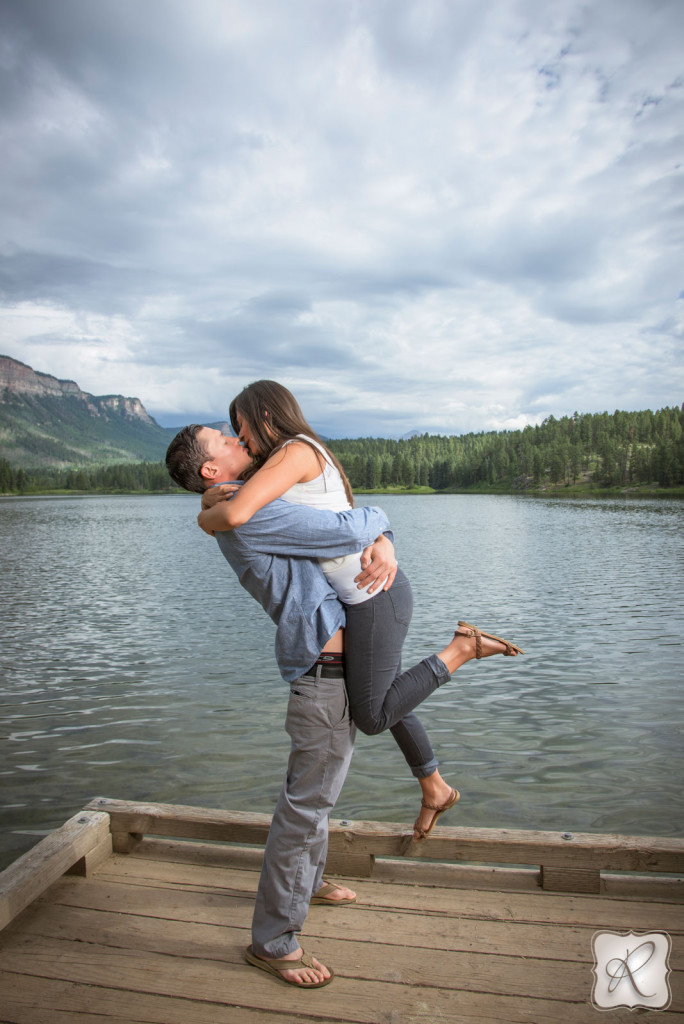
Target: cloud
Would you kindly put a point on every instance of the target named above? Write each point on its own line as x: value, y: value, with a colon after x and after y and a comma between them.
x: 451, y: 216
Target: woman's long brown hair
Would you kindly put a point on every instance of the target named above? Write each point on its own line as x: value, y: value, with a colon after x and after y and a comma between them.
x: 267, y: 402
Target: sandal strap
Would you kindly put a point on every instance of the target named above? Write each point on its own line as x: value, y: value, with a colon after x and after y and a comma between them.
x: 472, y: 631
x: 326, y: 889
x: 510, y: 648
x: 305, y: 960
x: 439, y: 807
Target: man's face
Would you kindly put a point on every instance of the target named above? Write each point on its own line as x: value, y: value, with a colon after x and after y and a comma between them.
x: 226, y: 458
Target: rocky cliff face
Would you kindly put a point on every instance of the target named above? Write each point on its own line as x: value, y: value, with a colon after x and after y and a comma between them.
x: 19, y: 380
x: 131, y: 408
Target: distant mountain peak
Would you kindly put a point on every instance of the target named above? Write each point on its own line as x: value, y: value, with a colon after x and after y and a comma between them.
x: 45, y: 421
x: 18, y: 379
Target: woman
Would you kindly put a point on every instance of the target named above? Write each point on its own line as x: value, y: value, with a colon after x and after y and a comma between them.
x: 291, y: 462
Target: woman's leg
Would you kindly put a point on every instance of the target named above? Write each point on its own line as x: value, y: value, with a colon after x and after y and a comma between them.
x: 373, y: 643
x: 380, y: 695
x: 414, y: 744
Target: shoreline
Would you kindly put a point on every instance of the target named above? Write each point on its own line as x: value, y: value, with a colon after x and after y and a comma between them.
x: 561, y: 491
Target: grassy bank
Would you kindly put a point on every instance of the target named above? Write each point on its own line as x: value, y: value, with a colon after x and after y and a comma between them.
x: 585, y: 490
x: 548, y: 491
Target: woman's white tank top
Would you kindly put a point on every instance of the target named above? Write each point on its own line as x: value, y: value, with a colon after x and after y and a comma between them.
x: 327, y: 492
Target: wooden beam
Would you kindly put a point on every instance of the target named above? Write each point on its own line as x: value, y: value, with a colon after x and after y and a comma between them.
x: 571, y: 879
x: 125, y: 842
x: 350, y: 865
x: 182, y: 822
x: 553, y: 850
x: 514, y: 846
x: 30, y: 875
x: 93, y: 858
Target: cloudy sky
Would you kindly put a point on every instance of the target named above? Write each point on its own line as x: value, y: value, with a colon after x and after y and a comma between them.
x: 444, y: 215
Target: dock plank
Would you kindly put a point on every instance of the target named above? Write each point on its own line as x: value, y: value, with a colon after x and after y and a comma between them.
x: 362, y: 922
x: 401, y: 962
x: 49, y: 1001
x: 347, y: 1001
x: 663, y: 888
x: 542, y: 907
x: 157, y: 936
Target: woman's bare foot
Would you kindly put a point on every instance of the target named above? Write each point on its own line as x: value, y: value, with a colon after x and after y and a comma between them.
x: 436, y: 793
x: 466, y: 643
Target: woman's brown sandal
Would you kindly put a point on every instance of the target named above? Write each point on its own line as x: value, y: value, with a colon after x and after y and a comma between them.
x: 423, y: 833
x: 511, y: 649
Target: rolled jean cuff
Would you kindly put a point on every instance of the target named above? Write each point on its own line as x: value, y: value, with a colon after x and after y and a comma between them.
x: 442, y: 673
x: 422, y: 771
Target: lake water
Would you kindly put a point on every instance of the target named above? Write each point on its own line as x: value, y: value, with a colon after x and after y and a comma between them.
x: 134, y: 666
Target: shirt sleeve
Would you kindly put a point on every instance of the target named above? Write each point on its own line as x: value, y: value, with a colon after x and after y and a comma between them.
x: 282, y: 528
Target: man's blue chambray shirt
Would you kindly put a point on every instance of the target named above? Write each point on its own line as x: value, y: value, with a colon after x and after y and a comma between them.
x: 274, y: 556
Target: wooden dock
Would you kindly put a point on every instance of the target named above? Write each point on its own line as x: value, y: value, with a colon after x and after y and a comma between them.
x: 141, y: 912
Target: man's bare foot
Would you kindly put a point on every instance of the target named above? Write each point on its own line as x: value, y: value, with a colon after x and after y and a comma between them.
x: 302, y: 975
x: 436, y: 794
x: 306, y: 970
x: 331, y: 892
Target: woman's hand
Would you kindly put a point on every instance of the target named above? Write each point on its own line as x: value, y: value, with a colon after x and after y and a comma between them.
x: 220, y: 493
x: 378, y: 565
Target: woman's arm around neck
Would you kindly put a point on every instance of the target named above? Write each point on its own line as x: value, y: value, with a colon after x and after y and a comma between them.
x: 294, y: 463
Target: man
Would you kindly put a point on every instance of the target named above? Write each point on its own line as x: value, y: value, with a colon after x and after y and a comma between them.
x: 275, y: 558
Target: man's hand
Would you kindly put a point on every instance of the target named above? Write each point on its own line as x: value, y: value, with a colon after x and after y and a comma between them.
x: 378, y: 565
x: 222, y: 492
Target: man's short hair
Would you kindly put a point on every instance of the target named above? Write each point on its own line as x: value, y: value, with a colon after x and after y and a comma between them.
x: 185, y: 457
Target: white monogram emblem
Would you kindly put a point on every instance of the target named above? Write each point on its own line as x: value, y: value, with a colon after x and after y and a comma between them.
x: 631, y: 970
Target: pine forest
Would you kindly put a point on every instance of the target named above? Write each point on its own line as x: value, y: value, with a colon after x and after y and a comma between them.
x: 587, y: 451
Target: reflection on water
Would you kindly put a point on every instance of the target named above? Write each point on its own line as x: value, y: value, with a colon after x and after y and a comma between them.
x: 134, y: 666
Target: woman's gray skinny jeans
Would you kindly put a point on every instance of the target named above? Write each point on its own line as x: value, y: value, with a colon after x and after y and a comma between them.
x: 381, y: 696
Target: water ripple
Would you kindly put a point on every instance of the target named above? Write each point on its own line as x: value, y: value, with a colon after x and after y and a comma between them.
x: 133, y: 664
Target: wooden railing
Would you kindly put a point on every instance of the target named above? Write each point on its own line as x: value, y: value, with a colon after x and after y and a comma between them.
x: 570, y: 862
x: 566, y: 862
x: 82, y: 843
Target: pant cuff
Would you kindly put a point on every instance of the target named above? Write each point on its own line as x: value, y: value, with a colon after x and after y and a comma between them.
x: 421, y: 771
x: 440, y: 670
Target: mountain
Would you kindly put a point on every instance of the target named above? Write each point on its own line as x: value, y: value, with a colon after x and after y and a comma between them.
x: 49, y: 422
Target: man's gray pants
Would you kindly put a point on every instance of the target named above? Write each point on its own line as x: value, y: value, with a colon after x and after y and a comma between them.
x: 322, y: 734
